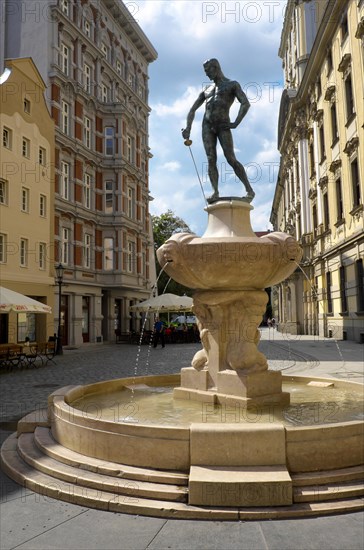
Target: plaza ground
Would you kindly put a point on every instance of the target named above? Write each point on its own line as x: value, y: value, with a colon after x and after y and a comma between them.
x: 32, y: 521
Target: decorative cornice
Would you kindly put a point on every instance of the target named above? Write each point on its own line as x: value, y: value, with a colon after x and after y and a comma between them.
x: 351, y: 145
x: 344, y: 63
x: 324, y: 180
x: 360, y: 30
x: 330, y: 92
x: 312, y: 193
x: 335, y: 165
x: 319, y: 115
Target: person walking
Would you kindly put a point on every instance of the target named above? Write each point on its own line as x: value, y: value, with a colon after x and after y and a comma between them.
x: 159, y: 333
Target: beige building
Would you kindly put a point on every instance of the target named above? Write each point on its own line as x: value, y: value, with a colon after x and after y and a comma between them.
x: 26, y: 199
x: 320, y: 189
x: 94, y: 58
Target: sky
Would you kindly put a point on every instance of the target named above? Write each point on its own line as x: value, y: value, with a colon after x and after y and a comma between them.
x: 244, y: 36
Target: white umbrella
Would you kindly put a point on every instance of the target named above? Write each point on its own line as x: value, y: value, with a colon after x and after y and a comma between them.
x: 165, y: 302
x: 14, y: 301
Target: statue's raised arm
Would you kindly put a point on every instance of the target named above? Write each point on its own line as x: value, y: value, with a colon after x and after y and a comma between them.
x: 216, y: 124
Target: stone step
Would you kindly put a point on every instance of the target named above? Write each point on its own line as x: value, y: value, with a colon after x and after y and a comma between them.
x: 34, y: 457
x: 355, y: 473
x: 332, y: 491
x: 46, y: 443
x: 240, y: 486
x: 13, y: 465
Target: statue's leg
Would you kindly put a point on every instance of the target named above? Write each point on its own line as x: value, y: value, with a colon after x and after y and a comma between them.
x: 226, y: 142
x: 209, y: 139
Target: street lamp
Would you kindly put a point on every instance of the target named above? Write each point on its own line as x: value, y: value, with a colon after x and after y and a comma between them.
x: 59, y: 281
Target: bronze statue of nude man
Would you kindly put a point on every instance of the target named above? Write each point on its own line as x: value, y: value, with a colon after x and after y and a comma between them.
x: 216, y: 124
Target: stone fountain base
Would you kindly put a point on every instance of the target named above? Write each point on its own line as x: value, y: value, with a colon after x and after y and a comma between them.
x: 232, y: 387
x: 233, y: 470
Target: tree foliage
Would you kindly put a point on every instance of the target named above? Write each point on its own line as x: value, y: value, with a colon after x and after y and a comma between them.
x: 164, y: 226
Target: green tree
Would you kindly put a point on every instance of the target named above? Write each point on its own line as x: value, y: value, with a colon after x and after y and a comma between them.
x: 164, y: 226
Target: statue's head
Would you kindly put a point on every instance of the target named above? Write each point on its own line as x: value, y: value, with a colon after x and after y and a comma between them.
x: 212, y: 68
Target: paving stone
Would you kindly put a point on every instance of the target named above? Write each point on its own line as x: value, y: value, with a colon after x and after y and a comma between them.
x: 34, y: 521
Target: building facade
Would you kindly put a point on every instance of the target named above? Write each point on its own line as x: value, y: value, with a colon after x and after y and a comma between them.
x: 94, y: 58
x: 320, y: 188
x: 26, y: 199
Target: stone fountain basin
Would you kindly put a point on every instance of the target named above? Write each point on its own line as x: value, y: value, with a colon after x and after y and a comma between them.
x: 238, y: 262
x: 157, y: 446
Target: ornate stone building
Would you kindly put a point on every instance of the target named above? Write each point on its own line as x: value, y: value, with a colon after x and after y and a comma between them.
x: 26, y: 199
x: 94, y: 58
x: 320, y: 188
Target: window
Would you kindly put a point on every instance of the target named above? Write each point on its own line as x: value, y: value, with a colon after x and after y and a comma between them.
x: 360, y: 284
x: 65, y: 59
x: 343, y: 297
x: 319, y: 87
x: 349, y: 97
x: 131, y: 202
x: 355, y: 183
x: 25, y: 147
x: 130, y: 80
x: 65, y: 246
x: 105, y: 50
x: 109, y: 197
x: 42, y: 255
x: 87, y: 190
x: 314, y: 218
x: 339, y: 200
x: 65, y: 170
x: 42, y: 156
x: 326, y: 211
x: 24, y: 199
x: 130, y: 149
x: 119, y: 68
x: 87, y: 28
x: 43, y: 206
x: 65, y: 117
x: 108, y: 254
x: 131, y: 257
x: 23, y: 252
x: 65, y: 6
x: 322, y: 143
x: 105, y: 93
x: 87, y: 251
x: 3, y: 192
x: 87, y: 78
x: 329, y: 61
x: 26, y: 327
x: 344, y: 27
x: 7, y: 138
x: 334, y: 127
x: 312, y: 160
x: 328, y: 292
x: 87, y: 132
x: 3, y: 247
x: 26, y: 105
x: 109, y: 141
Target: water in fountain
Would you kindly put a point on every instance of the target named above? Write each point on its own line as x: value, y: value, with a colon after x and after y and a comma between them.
x: 309, y: 405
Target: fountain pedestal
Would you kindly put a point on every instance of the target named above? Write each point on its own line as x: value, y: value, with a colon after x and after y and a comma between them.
x: 230, y: 267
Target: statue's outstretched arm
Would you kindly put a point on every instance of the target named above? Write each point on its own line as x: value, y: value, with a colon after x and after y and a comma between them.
x: 191, y: 115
